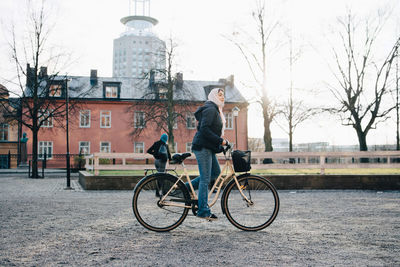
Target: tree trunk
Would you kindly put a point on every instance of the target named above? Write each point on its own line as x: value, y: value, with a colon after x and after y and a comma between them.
x: 362, y: 140
x: 267, y: 133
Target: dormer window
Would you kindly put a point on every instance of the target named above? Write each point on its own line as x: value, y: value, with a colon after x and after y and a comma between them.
x: 162, y: 93
x: 55, y: 90
x: 111, y: 89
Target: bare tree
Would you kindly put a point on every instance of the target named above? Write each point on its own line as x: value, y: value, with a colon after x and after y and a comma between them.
x: 362, y: 81
x: 293, y: 111
x: 161, y: 99
x: 40, y: 97
x: 256, y: 60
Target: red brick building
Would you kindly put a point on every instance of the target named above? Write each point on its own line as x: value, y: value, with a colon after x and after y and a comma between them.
x: 106, y: 115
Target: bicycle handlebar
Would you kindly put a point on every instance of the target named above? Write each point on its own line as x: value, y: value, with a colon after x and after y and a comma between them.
x: 227, y: 147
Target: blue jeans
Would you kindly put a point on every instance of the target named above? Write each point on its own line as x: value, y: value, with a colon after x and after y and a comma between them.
x: 209, y: 170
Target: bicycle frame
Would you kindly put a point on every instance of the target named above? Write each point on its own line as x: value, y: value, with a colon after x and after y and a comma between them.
x: 217, y: 185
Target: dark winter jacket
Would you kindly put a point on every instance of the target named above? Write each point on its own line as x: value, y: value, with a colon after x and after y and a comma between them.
x: 209, y: 128
x: 153, y: 150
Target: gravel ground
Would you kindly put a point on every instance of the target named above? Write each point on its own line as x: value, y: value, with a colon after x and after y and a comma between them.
x: 41, y: 224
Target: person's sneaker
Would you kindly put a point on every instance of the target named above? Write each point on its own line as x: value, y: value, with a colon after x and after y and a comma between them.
x: 210, y: 218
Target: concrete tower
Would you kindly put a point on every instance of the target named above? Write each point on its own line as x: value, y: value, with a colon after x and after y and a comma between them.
x: 138, y: 50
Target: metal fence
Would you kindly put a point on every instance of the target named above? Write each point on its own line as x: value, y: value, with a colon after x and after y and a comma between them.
x: 54, y: 161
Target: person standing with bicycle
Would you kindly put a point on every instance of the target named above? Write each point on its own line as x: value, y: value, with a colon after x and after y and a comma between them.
x: 206, y: 143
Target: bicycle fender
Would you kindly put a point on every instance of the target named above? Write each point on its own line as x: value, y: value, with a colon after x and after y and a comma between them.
x: 227, y: 186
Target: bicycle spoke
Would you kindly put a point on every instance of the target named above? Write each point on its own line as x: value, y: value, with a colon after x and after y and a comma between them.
x: 147, y: 207
x: 260, y: 208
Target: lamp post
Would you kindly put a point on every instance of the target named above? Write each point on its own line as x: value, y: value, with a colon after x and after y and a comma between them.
x: 67, y: 136
x: 235, y: 112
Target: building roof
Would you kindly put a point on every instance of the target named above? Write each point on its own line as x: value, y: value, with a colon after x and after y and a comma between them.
x: 3, y: 90
x: 135, y: 88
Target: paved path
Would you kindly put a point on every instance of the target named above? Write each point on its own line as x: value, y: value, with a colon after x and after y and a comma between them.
x: 41, y: 224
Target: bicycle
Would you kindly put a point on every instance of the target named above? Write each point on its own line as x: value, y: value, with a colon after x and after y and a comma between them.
x: 161, y: 201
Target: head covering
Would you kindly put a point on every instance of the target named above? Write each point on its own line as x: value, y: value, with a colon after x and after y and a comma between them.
x: 213, y: 97
x: 164, y: 137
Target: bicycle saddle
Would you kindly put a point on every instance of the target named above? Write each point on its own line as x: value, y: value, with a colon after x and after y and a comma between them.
x: 179, y: 158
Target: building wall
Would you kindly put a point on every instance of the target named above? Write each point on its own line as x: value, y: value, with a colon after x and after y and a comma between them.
x: 121, y: 126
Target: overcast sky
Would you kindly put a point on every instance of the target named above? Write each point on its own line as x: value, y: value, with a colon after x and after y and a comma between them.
x: 87, y: 30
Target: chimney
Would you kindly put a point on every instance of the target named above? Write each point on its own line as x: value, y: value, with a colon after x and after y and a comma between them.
x: 93, y: 77
x: 179, y: 80
x: 43, y: 72
x: 230, y: 81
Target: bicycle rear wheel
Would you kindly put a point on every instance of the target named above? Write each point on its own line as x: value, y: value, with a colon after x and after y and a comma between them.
x: 262, y: 209
x: 148, y: 209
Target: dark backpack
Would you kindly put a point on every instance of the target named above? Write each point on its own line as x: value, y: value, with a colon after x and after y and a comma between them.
x: 162, y: 153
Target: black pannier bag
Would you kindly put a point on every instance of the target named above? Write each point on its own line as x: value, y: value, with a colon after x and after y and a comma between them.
x: 241, y: 160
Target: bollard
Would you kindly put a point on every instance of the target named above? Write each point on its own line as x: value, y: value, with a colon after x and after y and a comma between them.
x: 9, y: 160
x: 44, y: 163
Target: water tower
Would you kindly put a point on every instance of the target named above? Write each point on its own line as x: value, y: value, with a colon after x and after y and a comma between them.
x: 138, y: 49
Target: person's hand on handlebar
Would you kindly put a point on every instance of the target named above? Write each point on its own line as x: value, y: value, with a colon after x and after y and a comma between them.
x: 227, y: 145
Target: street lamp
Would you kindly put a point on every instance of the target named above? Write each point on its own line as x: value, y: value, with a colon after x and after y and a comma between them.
x: 67, y: 134
x: 235, y: 112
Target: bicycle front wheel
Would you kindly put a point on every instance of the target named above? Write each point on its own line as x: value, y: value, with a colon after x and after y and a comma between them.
x: 259, y: 210
x: 148, y: 208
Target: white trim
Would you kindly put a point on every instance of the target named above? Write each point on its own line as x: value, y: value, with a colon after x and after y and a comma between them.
x: 80, y: 117
x: 79, y: 146
x: 109, y: 146
x: 190, y: 147
x: 101, y: 111
x: 191, y: 115
x: 229, y: 117
x: 135, y: 119
x: 134, y: 147
x: 49, y: 121
x: 47, y: 146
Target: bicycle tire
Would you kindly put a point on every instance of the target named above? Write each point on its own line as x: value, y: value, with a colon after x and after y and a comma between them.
x: 253, y: 217
x: 147, y: 209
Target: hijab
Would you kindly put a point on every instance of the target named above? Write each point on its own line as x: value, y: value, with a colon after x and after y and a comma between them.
x: 213, y: 97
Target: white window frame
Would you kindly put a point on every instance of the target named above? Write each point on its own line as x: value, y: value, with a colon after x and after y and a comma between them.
x: 48, y: 123
x: 229, y: 120
x: 45, y: 146
x: 137, y: 117
x: 81, y: 146
x: 106, y: 114
x: 85, y: 118
x: 137, y: 146
x: 111, y: 91
x: 189, y: 147
x: 4, y: 131
x: 108, y: 146
x: 192, y: 123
